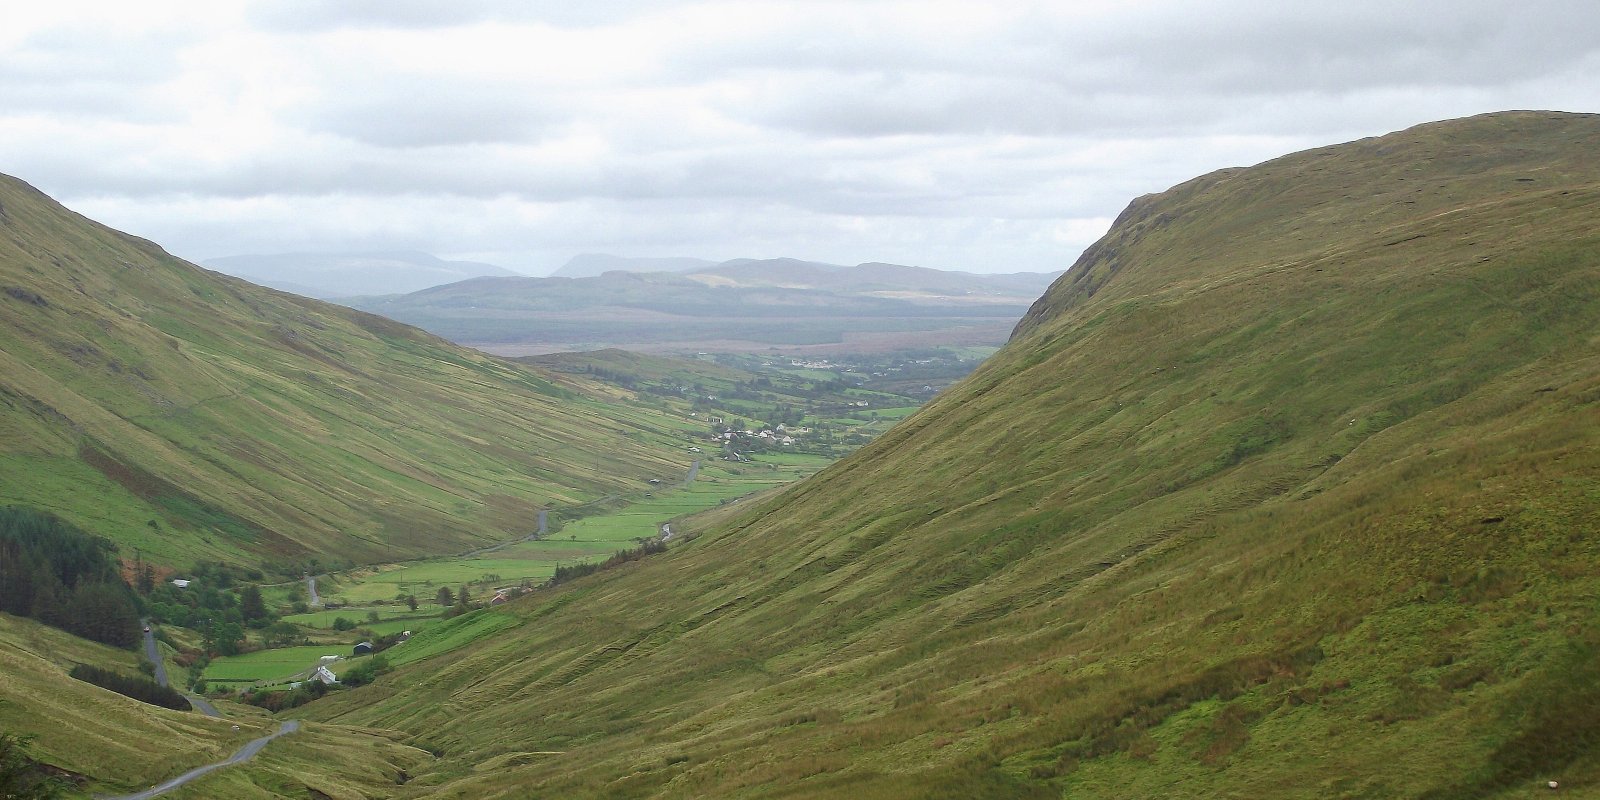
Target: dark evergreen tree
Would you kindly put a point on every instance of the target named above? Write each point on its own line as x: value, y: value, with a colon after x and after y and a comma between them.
x: 21, y: 777
x: 251, y: 607
x: 61, y: 576
x: 146, y: 580
x: 103, y: 612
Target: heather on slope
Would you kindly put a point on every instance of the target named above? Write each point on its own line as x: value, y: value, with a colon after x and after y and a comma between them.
x: 1289, y: 487
x: 190, y: 415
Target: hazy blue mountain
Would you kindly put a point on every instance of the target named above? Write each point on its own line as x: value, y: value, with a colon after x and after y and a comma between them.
x: 740, y: 305
x: 873, y: 277
x: 588, y: 265
x: 330, y: 275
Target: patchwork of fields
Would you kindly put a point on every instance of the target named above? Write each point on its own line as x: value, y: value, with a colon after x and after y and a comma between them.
x: 357, y: 595
x: 584, y: 539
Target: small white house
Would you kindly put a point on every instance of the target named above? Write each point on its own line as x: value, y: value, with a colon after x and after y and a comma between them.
x: 326, y: 676
x: 328, y: 659
x: 181, y: 583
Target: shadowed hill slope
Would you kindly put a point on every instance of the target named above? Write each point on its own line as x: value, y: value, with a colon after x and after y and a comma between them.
x: 190, y: 415
x: 1290, y: 488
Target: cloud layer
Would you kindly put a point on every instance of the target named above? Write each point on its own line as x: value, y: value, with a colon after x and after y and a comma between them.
x: 991, y: 136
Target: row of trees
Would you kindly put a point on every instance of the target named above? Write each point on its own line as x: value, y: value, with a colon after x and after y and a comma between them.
x: 566, y: 573
x: 55, y: 573
x: 137, y: 687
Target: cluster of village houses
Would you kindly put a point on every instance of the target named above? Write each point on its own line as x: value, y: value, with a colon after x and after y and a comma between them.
x: 780, y: 435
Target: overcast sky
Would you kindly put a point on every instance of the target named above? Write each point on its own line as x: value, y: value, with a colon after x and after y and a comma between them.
x: 987, y: 136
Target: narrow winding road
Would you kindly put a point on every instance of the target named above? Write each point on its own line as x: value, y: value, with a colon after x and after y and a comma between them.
x: 154, y: 655
x: 245, y: 754
x: 311, y: 589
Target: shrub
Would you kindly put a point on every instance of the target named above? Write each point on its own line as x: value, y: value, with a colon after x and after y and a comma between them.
x: 362, y: 674
x: 282, y: 700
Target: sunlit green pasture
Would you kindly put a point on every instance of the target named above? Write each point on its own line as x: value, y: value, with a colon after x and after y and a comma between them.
x: 270, y: 665
x: 896, y: 413
x: 425, y: 578
x: 356, y: 614
x: 398, y: 625
x: 584, y: 539
x: 450, y: 634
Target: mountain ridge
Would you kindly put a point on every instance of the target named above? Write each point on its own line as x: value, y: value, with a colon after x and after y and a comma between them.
x: 346, y: 274
x: 749, y: 305
x: 185, y: 414
x: 1269, y: 496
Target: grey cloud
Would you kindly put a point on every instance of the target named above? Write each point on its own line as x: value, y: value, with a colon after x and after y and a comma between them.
x: 844, y: 133
x: 99, y: 73
x: 307, y: 16
x: 426, y: 112
x: 1150, y: 67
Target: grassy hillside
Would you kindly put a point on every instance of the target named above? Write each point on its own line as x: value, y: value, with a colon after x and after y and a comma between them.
x: 115, y: 744
x: 1289, y: 488
x: 190, y: 415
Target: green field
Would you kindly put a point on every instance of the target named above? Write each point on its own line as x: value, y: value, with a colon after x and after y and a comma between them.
x: 358, y: 615
x: 270, y: 665
x: 399, y: 625
x: 584, y: 539
x: 450, y: 635
x: 896, y: 413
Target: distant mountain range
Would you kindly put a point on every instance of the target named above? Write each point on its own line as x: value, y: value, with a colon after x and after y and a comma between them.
x: 332, y: 275
x: 743, y: 304
x: 589, y: 265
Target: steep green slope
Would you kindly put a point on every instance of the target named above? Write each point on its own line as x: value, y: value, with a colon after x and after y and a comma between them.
x: 192, y: 415
x: 112, y: 743
x: 1289, y: 488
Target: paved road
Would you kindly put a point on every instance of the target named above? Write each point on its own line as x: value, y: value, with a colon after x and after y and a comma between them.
x: 248, y: 752
x: 203, y: 706
x: 200, y: 704
x: 311, y: 588
x: 544, y: 521
x: 694, y: 470
x: 154, y: 655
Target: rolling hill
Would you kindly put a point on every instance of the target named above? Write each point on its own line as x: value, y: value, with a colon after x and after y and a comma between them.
x: 589, y: 265
x: 744, y: 305
x: 329, y: 275
x: 1290, y: 487
x: 185, y: 414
